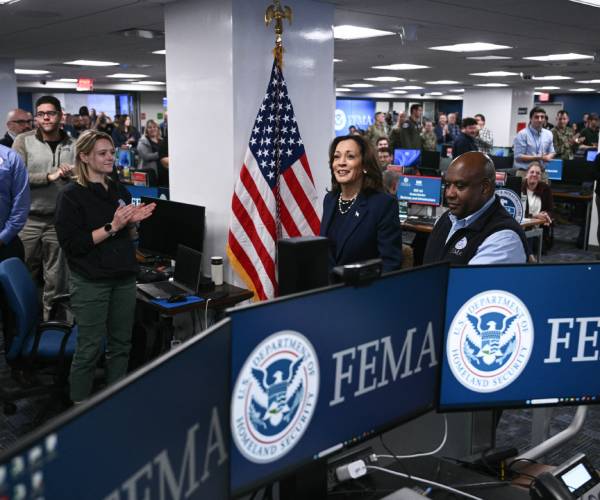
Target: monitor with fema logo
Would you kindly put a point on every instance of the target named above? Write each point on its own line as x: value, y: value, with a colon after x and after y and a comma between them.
x: 511, y: 341
x: 591, y: 155
x: 407, y: 157
x: 316, y: 372
x: 420, y: 190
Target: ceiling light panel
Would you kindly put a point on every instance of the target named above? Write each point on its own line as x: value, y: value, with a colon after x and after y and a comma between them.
x: 349, y: 32
x: 401, y: 67
x: 385, y: 79
x: 408, y: 87
x: 442, y: 82
x: 547, y: 87
x: 495, y: 73
x: 358, y: 85
x: 491, y: 85
x: 470, y: 47
x: 583, y: 89
x: 343, y: 90
x: 160, y: 52
x: 488, y: 58
x: 31, y: 72
x: 591, y: 3
x: 559, y: 57
x: 126, y: 75
x: 588, y: 81
x: 88, y: 62
x: 551, y: 77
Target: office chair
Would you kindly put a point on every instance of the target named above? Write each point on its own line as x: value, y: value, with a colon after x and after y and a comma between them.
x: 31, y: 347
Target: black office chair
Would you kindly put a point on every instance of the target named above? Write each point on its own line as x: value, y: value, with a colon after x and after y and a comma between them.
x: 35, y: 351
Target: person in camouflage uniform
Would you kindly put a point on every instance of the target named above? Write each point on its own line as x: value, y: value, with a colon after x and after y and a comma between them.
x: 563, y: 136
x: 378, y: 129
x: 429, y: 137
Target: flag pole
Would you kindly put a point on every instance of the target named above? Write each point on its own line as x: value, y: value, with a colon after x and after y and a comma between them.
x: 275, y: 12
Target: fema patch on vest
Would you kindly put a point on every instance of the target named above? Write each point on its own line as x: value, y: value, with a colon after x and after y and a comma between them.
x: 275, y: 396
x: 512, y: 203
x: 489, y: 341
x: 461, y: 244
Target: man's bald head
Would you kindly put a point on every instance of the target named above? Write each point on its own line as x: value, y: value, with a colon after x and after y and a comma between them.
x: 18, y: 121
x: 470, y: 183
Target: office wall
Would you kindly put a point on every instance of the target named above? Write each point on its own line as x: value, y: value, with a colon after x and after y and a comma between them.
x: 577, y: 104
x: 450, y: 107
x: 495, y: 105
x: 8, y: 89
x: 151, y: 103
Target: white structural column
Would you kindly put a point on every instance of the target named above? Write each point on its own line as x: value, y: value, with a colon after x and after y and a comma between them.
x: 8, y: 90
x: 218, y: 65
x: 503, y: 109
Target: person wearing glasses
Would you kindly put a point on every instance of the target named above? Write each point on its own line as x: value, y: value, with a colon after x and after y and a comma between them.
x: 17, y: 122
x: 476, y: 229
x: 49, y: 155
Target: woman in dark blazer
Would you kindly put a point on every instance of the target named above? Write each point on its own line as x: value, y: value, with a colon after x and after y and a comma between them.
x: 361, y: 221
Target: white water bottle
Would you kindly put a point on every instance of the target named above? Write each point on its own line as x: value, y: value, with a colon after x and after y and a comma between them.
x: 216, y: 270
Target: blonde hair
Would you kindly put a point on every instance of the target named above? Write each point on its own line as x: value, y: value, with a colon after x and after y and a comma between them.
x: 152, y: 122
x: 85, y: 144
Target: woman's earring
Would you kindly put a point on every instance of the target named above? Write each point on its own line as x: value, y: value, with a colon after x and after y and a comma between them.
x: 364, y: 171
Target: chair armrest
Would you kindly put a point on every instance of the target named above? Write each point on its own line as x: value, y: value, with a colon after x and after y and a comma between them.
x: 55, y: 325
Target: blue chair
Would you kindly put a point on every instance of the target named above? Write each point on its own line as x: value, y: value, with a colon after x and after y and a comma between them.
x: 31, y: 347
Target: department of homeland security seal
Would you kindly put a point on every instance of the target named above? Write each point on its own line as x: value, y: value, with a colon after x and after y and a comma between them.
x: 275, y: 396
x: 489, y: 341
x: 512, y: 203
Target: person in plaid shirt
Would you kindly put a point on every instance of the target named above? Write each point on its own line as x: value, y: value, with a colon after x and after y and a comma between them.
x: 485, y: 139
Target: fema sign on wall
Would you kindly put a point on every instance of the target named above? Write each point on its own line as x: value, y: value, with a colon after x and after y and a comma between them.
x: 357, y: 112
x: 521, y: 335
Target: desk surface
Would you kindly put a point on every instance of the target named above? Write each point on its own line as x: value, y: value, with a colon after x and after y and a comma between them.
x: 379, y: 484
x: 572, y: 195
x: 234, y: 296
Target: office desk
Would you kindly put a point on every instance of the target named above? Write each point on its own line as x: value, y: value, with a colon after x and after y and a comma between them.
x: 577, y: 197
x: 153, y: 329
x: 379, y: 484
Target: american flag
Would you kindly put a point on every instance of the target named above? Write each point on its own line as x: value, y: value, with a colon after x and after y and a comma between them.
x: 275, y: 195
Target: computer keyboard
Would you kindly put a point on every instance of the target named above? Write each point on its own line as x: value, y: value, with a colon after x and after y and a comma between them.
x: 421, y: 219
x: 149, y: 275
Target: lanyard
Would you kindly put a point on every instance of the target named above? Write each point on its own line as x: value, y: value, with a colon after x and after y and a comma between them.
x: 537, y: 144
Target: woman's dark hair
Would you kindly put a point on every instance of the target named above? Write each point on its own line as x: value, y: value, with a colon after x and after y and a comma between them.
x: 372, y: 179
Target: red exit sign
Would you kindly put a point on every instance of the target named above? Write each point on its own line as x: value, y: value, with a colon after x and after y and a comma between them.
x: 85, y: 84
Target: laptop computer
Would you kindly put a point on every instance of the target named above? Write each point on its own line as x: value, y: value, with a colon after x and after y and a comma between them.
x: 188, y: 271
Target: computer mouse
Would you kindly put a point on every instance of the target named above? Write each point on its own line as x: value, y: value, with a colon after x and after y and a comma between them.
x: 176, y: 298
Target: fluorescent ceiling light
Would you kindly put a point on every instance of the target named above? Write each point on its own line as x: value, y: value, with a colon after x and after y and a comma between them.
x: 337, y: 60
x: 150, y: 82
x: 160, y: 52
x: 435, y: 93
x: 583, y: 89
x: 488, y: 58
x: 408, y: 87
x: 591, y: 3
x: 442, y: 82
x: 491, y: 85
x: 559, y: 57
x: 358, y: 85
x: 457, y: 90
x: 343, y: 90
x: 551, y: 77
x: 588, y: 81
x: 386, y: 79
x: 8, y: 2
x: 495, y: 73
x: 470, y: 47
x: 537, y: 93
x: 548, y: 87
x: 67, y: 80
x: 86, y: 62
x: 126, y: 75
x: 401, y: 66
x: 349, y: 32
x: 398, y: 92
x: 379, y: 94
x: 31, y: 72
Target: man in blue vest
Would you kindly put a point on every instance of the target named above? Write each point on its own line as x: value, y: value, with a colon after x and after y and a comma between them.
x: 476, y: 229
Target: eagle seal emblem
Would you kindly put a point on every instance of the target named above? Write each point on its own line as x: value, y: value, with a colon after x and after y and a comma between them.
x: 274, y: 397
x: 490, y: 341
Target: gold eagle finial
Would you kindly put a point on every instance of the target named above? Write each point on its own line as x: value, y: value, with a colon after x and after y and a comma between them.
x: 275, y: 12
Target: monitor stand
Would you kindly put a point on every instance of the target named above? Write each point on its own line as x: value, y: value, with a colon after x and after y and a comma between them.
x: 558, y: 439
x: 308, y: 481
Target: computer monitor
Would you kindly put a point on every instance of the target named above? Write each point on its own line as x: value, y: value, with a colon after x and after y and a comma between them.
x: 172, y: 223
x: 554, y: 169
x: 514, y: 183
x: 124, y: 158
x: 512, y: 343
x: 577, y: 171
x: 502, y: 162
x: 407, y: 157
x: 501, y: 151
x: 420, y: 190
x: 501, y: 179
x: 319, y: 371
x: 188, y: 267
x: 430, y: 159
x: 591, y: 155
x: 148, y: 427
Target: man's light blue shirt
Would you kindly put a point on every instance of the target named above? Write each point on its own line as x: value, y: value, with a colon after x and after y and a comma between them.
x: 501, y: 247
x: 14, y: 194
x: 531, y: 142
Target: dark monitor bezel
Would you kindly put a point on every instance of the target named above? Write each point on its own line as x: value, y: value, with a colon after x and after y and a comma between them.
x: 172, y: 255
x: 73, y: 413
x: 504, y: 162
x: 373, y: 432
x: 433, y: 155
x: 510, y: 405
x: 421, y: 203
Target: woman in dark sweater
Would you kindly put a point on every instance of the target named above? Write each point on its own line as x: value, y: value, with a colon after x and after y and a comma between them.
x: 540, y: 203
x: 95, y: 223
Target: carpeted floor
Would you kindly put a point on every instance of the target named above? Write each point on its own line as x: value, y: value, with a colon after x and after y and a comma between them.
x: 514, y: 428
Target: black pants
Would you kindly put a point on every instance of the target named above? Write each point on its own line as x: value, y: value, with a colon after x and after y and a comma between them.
x: 12, y: 249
